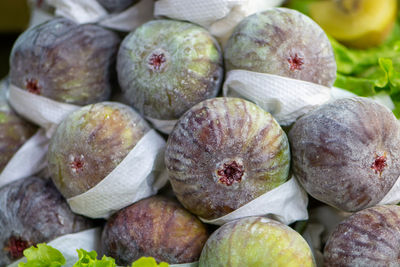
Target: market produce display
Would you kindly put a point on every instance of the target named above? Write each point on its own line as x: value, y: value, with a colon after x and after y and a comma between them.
x: 228, y: 119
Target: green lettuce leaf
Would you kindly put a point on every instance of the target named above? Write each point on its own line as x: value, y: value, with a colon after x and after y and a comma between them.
x: 148, y: 262
x: 89, y: 259
x: 42, y: 256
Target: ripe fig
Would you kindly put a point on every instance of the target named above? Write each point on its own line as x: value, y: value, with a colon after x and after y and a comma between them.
x: 154, y: 227
x: 370, y: 237
x: 347, y: 153
x: 356, y: 23
x: 283, y: 42
x: 14, y: 131
x: 223, y: 153
x: 64, y: 61
x: 116, y: 5
x: 165, y: 67
x: 90, y: 143
x: 32, y: 211
x: 256, y: 242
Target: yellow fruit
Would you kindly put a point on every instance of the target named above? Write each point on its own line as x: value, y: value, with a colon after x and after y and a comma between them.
x: 356, y: 23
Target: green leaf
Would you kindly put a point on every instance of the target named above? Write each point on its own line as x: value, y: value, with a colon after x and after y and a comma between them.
x: 42, y: 256
x: 148, y: 262
x: 89, y: 259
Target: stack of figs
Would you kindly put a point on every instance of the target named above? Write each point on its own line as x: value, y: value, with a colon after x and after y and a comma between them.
x: 221, y: 154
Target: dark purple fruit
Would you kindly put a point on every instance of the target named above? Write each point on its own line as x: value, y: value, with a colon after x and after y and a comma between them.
x: 32, y: 211
x: 165, y: 67
x: 347, y: 153
x: 90, y: 143
x: 14, y: 131
x: 154, y: 227
x: 223, y: 153
x: 64, y: 61
x: 370, y: 237
x: 283, y: 42
x: 117, y: 5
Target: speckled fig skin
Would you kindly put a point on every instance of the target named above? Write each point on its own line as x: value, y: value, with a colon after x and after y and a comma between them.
x: 32, y: 211
x: 14, y: 131
x: 370, y: 237
x: 283, y: 42
x: 223, y: 153
x: 64, y: 61
x: 117, y: 5
x: 90, y: 143
x: 347, y: 153
x: 165, y: 67
x: 256, y: 242
x: 154, y: 227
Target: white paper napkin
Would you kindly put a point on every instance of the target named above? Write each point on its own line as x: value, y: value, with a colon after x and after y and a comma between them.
x: 220, y: 17
x: 90, y: 11
x: 139, y: 175
x: 164, y: 126
x: 286, y: 203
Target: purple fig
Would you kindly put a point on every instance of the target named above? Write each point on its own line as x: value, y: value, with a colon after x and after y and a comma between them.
x: 90, y: 143
x: 32, y: 211
x: 154, y: 227
x: 65, y: 61
x: 283, y: 42
x: 347, y: 153
x: 370, y: 237
x: 165, y: 67
x: 223, y: 153
x: 117, y: 5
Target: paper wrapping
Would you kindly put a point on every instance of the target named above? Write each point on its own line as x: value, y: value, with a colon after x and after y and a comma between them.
x: 220, y: 17
x: 42, y: 111
x: 27, y: 161
x: 285, y: 98
x: 90, y: 11
x: 286, y: 203
x: 140, y: 174
x: 164, y: 126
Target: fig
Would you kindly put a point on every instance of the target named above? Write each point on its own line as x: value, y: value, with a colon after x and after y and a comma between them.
x: 90, y: 143
x: 356, y: 23
x: 282, y: 42
x: 32, y: 211
x: 165, y: 67
x: 64, y: 61
x: 223, y: 153
x: 346, y: 153
x: 116, y: 5
x: 370, y: 237
x: 256, y: 242
x: 14, y: 131
x: 154, y: 227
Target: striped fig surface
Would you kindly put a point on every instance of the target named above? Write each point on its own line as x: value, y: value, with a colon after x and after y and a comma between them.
x: 370, y: 237
x: 223, y: 153
x: 32, y: 211
x: 284, y: 42
x: 347, y: 153
x: 90, y: 143
x: 165, y: 67
x: 65, y: 61
x: 154, y: 227
x: 256, y: 242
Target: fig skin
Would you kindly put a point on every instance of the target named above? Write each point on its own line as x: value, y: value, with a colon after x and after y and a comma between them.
x: 283, y: 42
x: 14, y: 131
x: 165, y: 67
x: 256, y: 242
x: 64, y: 61
x: 223, y: 153
x: 32, y: 211
x: 90, y: 143
x: 154, y: 227
x: 117, y: 5
x: 370, y: 237
x: 346, y: 153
